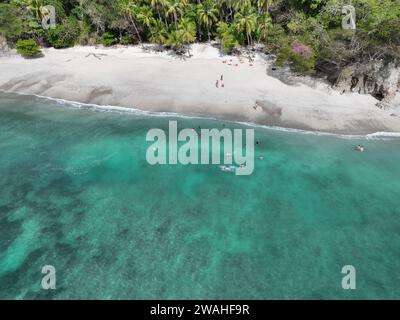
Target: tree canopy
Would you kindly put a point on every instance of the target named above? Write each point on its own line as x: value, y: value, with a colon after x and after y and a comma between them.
x: 280, y: 26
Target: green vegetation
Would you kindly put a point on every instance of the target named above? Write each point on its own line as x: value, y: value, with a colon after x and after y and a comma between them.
x: 10, y: 22
x: 285, y: 27
x: 124, y: 40
x: 28, y: 48
x: 64, y: 35
x: 299, y: 56
x: 109, y: 39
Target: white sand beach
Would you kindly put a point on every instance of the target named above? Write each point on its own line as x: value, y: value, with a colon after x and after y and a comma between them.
x: 133, y: 77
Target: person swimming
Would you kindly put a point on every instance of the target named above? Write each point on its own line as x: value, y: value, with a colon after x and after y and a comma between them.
x: 360, y: 148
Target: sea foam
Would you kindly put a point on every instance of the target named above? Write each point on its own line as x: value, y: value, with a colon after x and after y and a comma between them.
x: 139, y: 112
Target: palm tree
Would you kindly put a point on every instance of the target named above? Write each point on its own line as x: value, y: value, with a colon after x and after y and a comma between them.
x: 175, y: 8
x: 129, y: 9
x: 245, y: 21
x: 264, y: 5
x: 187, y: 30
x: 156, y: 5
x: 222, y: 27
x: 226, y: 7
x: 264, y: 23
x: 207, y: 12
x: 145, y: 16
x: 269, y: 3
x: 82, y: 6
x: 261, y: 4
x: 97, y: 16
x: 159, y: 6
x: 174, y: 40
x: 158, y: 33
x: 35, y: 6
x: 241, y: 4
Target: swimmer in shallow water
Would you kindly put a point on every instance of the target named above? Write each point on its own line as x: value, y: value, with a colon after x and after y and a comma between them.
x: 360, y: 148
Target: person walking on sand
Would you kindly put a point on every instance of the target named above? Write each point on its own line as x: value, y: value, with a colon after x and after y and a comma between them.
x: 216, y: 84
x: 222, y: 77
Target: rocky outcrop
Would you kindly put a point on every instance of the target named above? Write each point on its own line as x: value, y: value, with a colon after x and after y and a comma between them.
x: 378, y: 78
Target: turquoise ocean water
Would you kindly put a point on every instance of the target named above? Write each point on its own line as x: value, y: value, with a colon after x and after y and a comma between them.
x: 77, y: 193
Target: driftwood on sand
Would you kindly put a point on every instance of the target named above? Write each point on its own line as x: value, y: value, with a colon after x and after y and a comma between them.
x: 97, y: 56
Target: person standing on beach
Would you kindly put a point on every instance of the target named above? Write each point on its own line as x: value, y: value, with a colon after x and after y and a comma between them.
x: 222, y: 77
x: 216, y: 84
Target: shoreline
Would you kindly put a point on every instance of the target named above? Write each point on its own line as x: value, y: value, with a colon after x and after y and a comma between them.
x: 158, y: 82
x: 381, y: 135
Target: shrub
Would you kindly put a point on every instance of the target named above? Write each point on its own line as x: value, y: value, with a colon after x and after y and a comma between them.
x: 301, y: 49
x: 300, y: 57
x: 175, y: 41
x: 109, y: 39
x: 84, y: 35
x: 275, y: 37
x: 125, y: 40
x: 227, y: 37
x: 228, y: 42
x: 10, y: 23
x: 64, y: 35
x: 388, y: 32
x: 28, y: 48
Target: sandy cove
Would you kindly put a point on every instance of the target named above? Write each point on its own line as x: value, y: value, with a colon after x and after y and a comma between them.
x: 132, y: 77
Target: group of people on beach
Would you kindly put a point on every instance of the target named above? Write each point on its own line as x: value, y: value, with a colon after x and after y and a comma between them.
x: 220, y: 81
x: 231, y: 63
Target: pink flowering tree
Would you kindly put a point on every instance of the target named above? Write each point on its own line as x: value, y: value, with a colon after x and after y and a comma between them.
x: 300, y: 57
x: 301, y: 49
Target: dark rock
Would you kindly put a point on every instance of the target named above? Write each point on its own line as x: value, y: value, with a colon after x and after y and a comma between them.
x: 383, y: 105
x: 378, y: 78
